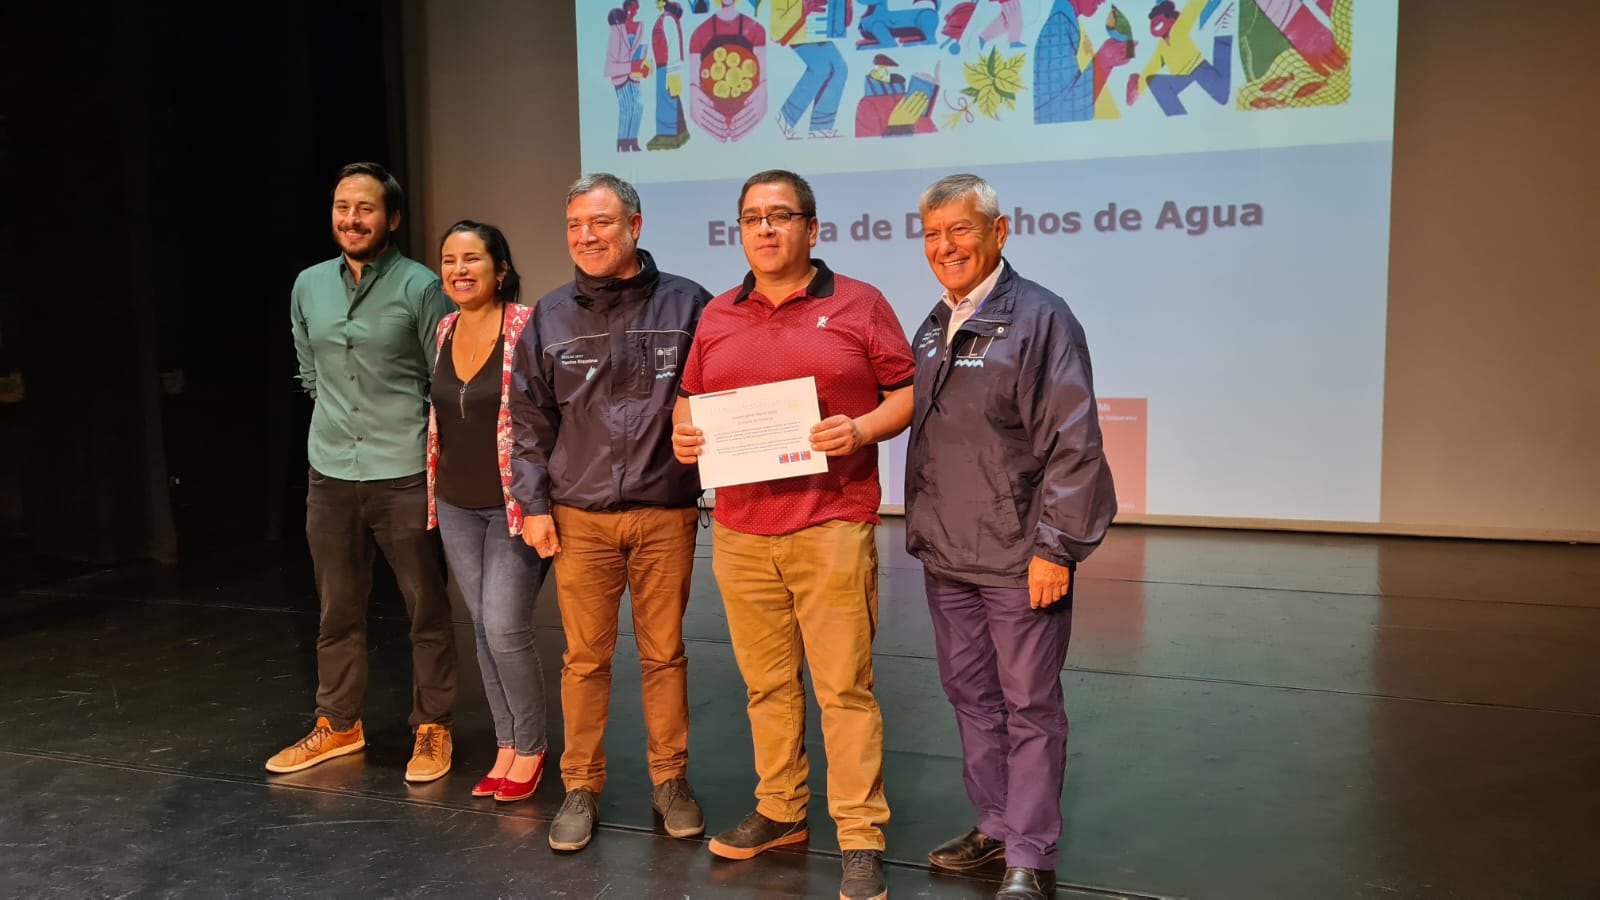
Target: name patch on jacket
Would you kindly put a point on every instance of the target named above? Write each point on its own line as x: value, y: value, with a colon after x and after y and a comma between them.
x: 576, y: 359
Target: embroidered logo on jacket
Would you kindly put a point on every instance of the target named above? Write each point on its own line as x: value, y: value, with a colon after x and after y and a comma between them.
x: 972, y: 355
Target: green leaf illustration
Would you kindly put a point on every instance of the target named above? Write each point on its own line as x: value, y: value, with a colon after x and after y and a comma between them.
x: 994, y: 81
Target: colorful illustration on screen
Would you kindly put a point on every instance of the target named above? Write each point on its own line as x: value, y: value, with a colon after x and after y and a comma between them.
x: 993, y: 82
x: 1295, y: 53
x: 702, y: 66
x: 1178, y: 60
x: 809, y: 28
x: 727, y: 67
x: 893, y: 105
x: 911, y: 24
x: 625, y: 67
x: 1070, y: 73
x: 667, y: 47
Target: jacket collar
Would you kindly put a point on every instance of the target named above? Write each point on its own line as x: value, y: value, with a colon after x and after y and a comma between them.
x: 608, y: 292
x: 998, y: 306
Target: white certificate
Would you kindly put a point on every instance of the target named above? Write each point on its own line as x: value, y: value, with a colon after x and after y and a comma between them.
x: 759, y: 433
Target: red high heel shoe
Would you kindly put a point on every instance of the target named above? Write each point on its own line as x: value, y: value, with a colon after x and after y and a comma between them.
x: 487, y: 787
x: 511, y: 791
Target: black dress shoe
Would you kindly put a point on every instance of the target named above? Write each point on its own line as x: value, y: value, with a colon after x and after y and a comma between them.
x: 1027, y: 884
x: 970, y: 851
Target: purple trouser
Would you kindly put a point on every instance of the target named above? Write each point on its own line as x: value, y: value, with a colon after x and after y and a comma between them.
x: 1000, y: 663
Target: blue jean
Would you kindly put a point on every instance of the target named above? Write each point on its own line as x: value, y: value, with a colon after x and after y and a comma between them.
x: 822, y: 84
x: 1000, y: 663
x: 499, y: 578
x: 630, y: 110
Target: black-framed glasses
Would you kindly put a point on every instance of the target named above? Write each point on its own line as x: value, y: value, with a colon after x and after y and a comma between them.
x: 779, y: 219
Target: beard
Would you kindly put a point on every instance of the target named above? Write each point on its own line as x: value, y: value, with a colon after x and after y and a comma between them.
x: 379, y: 242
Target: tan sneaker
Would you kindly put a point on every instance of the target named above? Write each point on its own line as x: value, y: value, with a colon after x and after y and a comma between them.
x: 321, y: 745
x: 431, y: 757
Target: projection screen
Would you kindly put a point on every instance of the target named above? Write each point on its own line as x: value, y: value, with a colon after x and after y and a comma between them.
x: 1206, y: 182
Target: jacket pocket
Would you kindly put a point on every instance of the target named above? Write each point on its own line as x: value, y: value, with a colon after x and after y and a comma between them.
x: 1006, y: 524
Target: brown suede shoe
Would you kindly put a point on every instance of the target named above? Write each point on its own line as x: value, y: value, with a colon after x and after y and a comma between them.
x: 756, y: 834
x: 321, y: 745
x: 430, y: 759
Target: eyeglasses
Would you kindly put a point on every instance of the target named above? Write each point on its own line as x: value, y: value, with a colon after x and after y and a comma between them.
x: 779, y: 219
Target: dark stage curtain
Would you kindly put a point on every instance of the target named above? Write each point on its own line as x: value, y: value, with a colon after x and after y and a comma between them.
x: 166, y: 173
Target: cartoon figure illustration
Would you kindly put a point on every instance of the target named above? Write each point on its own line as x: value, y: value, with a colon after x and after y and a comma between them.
x: 727, y: 69
x: 1294, y: 53
x: 955, y: 25
x: 890, y: 106
x: 1118, y: 48
x: 882, y: 26
x: 626, y: 67
x: 882, y: 81
x: 1176, y: 52
x: 809, y: 27
x: 666, y: 44
x: 1069, y: 74
x: 1009, y: 20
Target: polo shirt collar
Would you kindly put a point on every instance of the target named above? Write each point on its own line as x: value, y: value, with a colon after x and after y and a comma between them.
x: 821, y: 284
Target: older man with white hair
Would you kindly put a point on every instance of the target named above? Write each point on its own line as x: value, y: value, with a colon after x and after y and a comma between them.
x: 1007, y: 490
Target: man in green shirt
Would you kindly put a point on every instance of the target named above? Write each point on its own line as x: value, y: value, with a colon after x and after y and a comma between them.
x: 364, y: 327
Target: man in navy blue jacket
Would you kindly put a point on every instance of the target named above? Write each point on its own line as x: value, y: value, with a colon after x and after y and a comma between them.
x: 1007, y: 490
x: 594, y: 382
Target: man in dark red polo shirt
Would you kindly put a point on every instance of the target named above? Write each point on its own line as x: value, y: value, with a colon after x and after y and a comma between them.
x: 795, y: 559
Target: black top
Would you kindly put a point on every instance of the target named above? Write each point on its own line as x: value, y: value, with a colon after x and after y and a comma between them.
x: 469, y: 467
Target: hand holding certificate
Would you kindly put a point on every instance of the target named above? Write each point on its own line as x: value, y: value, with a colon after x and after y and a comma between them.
x: 758, y: 433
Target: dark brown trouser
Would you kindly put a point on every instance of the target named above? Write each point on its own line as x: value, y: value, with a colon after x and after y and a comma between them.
x: 346, y: 521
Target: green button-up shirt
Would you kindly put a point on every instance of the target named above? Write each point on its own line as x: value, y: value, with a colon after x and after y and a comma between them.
x: 366, y: 357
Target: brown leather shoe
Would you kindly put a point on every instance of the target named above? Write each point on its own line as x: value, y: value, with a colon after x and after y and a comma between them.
x: 321, y: 745
x: 1027, y: 884
x: 972, y: 850
x: 430, y: 758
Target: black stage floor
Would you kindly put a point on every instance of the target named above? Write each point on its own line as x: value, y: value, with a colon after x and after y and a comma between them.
x: 1253, y: 715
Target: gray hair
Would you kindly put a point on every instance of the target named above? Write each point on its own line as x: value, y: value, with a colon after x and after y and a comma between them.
x: 955, y: 188
x: 597, y: 180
